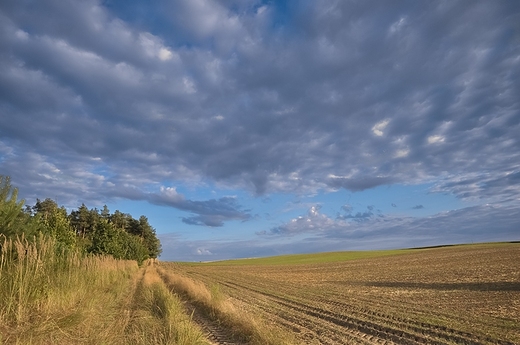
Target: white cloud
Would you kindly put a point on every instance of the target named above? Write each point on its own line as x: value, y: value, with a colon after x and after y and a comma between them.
x: 165, y: 54
x: 435, y: 139
x: 170, y: 194
x: 379, y: 127
x: 396, y: 26
x: 203, y: 251
x: 401, y: 153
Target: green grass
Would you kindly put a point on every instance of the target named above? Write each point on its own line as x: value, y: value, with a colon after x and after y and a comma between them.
x: 315, y: 258
x: 330, y: 257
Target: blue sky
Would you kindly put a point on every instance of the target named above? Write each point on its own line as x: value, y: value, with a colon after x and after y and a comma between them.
x: 253, y: 128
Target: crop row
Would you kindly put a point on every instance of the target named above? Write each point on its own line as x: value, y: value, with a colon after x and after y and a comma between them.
x: 332, y: 317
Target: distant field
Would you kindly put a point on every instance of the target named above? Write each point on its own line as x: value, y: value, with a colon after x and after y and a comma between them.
x: 310, y: 258
x: 468, y: 294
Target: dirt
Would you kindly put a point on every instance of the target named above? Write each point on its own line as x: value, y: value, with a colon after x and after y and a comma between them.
x: 456, y: 295
x: 214, y: 332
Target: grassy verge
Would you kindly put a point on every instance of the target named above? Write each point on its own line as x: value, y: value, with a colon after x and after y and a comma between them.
x: 52, y: 296
x: 216, y: 306
x: 158, y: 317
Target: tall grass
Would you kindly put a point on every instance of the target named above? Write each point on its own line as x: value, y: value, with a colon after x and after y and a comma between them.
x: 55, y: 295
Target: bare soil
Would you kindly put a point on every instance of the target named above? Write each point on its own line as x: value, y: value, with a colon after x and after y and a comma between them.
x: 453, y: 295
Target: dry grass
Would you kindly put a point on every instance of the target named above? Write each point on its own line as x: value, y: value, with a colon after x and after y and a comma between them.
x: 59, y: 297
x: 158, y: 317
x: 242, y: 325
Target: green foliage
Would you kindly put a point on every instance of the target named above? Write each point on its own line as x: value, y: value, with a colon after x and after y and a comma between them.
x: 118, y: 234
x: 13, y: 220
x: 134, y: 248
x: 56, y: 222
x: 121, y: 235
x: 106, y: 239
x: 80, y: 221
x: 147, y: 233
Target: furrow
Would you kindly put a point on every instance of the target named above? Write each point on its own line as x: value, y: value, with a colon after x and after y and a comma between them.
x: 327, y: 332
x: 364, y: 326
x: 397, y: 326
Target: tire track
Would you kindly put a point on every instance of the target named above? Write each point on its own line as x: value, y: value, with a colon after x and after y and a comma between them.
x: 215, y: 333
x: 128, y: 308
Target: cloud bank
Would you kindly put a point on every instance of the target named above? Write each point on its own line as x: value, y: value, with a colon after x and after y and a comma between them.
x: 106, y: 100
x: 316, y: 232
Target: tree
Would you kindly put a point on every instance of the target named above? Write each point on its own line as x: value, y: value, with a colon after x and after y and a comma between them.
x: 79, y: 220
x: 45, y: 208
x: 105, y: 213
x: 118, y: 235
x: 149, y: 237
x: 13, y: 220
x: 57, y: 225
x: 106, y: 239
x: 119, y: 220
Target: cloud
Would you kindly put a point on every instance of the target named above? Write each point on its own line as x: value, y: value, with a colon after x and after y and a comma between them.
x: 503, y: 186
x: 432, y: 139
x: 358, y: 183
x: 203, y: 251
x: 379, y: 127
x: 469, y: 224
x: 213, y: 212
x: 314, y: 221
x: 97, y: 97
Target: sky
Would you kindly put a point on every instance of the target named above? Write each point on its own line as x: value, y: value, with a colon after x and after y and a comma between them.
x: 247, y: 128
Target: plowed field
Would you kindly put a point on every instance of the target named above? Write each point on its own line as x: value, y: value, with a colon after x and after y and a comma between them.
x: 451, y: 295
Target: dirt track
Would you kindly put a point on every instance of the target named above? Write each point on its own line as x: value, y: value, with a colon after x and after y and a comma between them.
x: 454, y: 298
x: 214, y: 332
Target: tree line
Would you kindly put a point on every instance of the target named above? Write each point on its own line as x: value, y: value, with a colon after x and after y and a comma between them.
x: 89, y: 230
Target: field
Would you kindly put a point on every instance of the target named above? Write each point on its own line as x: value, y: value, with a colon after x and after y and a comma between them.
x: 466, y: 294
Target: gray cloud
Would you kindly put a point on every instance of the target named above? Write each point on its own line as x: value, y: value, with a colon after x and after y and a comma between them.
x: 470, y: 224
x: 95, y: 98
x: 458, y: 225
x: 359, y: 183
x: 501, y: 186
x: 210, y: 212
